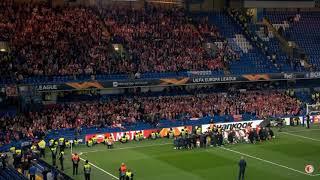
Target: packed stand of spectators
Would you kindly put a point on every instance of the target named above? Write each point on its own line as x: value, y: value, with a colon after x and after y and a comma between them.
x: 76, y: 40
x: 54, y: 41
x: 12, y: 17
x: 125, y: 111
x: 66, y: 41
x: 161, y: 40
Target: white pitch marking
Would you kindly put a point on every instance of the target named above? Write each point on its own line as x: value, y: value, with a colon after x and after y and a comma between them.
x: 305, y: 130
x: 113, y: 176
x: 270, y: 162
x: 305, y: 137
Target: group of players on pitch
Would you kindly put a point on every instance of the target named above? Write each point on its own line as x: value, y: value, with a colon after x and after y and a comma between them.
x: 217, y: 137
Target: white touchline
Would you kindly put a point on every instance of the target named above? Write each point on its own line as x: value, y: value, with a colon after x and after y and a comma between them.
x: 113, y: 176
x: 305, y: 130
x: 301, y: 136
x: 270, y: 162
x: 132, y: 147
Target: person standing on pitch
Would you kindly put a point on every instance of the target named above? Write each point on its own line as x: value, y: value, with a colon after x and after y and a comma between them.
x: 42, y: 147
x: 87, y: 170
x: 61, y: 158
x: 129, y: 175
x: 122, y: 171
x: 242, y: 166
x: 53, y: 155
x: 308, y: 121
x: 75, y: 163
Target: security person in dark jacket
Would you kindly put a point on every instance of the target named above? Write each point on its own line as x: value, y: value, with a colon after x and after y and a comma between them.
x: 189, y: 141
x: 220, y: 139
x: 251, y: 136
x: 308, y: 121
x: 202, y: 140
x: 61, y: 158
x: 242, y: 168
x: 53, y: 155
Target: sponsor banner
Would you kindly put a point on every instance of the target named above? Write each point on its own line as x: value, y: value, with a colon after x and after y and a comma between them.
x: 232, y: 125
x: 117, y: 135
x: 47, y: 87
x: 146, y: 133
x: 194, y: 77
x: 176, y: 130
x: 214, y: 79
x: 313, y: 75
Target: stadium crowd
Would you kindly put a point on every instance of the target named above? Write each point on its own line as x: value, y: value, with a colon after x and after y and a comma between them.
x: 163, y: 40
x: 77, y: 40
x: 126, y: 111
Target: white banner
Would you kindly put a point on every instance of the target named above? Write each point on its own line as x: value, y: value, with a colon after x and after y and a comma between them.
x: 234, y: 125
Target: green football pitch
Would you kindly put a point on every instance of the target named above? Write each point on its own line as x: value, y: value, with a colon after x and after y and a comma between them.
x: 283, y: 158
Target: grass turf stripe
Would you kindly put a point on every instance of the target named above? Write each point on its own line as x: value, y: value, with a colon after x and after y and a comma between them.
x: 270, y: 162
x: 132, y: 147
x: 106, y: 172
x: 305, y: 137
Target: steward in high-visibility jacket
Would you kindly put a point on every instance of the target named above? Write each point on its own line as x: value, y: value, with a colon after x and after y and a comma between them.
x: 157, y: 134
x: 51, y: 143
x: 90, y: 143
x: 94, y: 140
x: 87, y: 170
x: 62, y: 144
x: 129, y: 175
x: 75, y: 163
x: 183, y: 133
x: 42, y: 147
x: 13, y: 150
x: 34, y: 148
x: 56, y: 143
x: 171, y: 134
x: 53, y: 155
x: 61, y: 141
x: 76, y: 142
x: 123, y: 139
x: 198, y: 131
x: 68, y: 145
x: 141, y: 136
x: 153, y: 135
x: 137, y: 137
x: 18, y: 151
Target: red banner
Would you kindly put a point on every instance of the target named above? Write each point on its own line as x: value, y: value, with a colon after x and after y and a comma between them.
x: 146, y: 133
x: 117, y: 135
